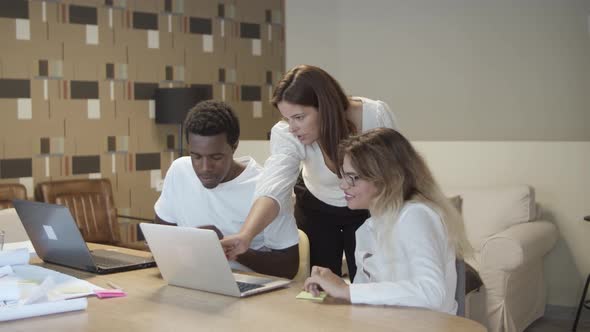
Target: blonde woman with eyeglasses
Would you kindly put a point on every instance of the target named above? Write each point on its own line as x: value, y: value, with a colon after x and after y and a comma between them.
x: 406, y: 251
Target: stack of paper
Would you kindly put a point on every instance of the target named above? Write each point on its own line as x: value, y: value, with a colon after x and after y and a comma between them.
x: 11, y: 312
x: 28, y: 290
x: 21, y: 245
x: 14, y: 257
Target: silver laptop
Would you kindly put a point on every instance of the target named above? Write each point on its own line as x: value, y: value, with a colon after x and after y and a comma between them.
x: 12, y: 226
x: 57, y: 240
x: 193, y: 258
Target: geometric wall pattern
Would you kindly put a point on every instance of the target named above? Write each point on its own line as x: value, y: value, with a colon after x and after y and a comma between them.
x: 77, y: 80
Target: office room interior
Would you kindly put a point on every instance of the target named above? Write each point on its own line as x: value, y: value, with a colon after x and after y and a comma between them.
x: 491, y: 93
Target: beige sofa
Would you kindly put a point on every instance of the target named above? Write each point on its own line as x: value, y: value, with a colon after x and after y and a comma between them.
x: 510, y: 243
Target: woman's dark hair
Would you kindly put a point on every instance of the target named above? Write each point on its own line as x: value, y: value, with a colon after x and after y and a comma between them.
x: 311, y: 86
x: 211, y: 117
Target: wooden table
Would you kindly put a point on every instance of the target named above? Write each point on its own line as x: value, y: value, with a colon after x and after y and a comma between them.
x: 152, y: 305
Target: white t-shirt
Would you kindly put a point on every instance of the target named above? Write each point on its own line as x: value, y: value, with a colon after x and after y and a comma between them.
x: 185, y: 202
x: 413, y: 266
x: 288, y: 154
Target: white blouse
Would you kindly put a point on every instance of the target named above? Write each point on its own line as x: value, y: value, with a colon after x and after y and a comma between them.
x: 288, y: 154
x: 414, y: 265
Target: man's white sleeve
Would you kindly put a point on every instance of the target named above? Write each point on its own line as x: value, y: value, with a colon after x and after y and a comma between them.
x: 165, y: 206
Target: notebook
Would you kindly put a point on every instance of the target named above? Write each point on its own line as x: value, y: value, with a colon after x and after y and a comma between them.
x: 193, y: 258
x: 57, y: 240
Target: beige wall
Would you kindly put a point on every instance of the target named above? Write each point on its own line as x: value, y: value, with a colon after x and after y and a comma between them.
x: 512, y: 70
x: 491, y: 92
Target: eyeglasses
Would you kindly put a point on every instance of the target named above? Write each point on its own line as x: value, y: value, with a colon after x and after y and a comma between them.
x: 351, y: 179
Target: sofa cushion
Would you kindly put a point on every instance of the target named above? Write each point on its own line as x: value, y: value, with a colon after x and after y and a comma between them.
x: 490, y: 210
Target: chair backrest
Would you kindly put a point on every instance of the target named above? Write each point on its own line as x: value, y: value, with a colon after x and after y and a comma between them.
x: 304, y: 268
x: 10, y: 191
x: 460, y: 290
x: 91, y: 204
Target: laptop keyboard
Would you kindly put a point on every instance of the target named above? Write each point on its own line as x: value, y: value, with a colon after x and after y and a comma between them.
x: 244, y: 286
x: 108, y: 262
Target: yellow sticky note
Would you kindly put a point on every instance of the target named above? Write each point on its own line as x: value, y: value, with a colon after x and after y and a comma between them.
x: 73, y: 289
x: 307, y: 296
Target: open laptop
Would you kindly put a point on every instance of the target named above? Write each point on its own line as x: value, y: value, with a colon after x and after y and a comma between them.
x: 57, y: 240
x: 193, y: 258
x: 12, y: 226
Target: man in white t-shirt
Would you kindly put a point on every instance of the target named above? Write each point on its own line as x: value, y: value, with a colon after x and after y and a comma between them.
x: 211, y: 189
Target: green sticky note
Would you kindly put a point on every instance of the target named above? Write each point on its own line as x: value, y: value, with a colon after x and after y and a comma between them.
x: 307, y: 296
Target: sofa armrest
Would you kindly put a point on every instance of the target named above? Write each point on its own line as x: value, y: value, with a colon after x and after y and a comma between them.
x: 518, y: 245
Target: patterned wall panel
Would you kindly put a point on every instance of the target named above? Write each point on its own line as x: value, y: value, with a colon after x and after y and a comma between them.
x: 77, y: 79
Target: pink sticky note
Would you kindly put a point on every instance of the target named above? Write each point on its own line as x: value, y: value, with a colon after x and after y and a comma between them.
x: 108, y: 293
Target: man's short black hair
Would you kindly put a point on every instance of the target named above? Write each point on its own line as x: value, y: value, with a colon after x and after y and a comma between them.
x: 209, y: 118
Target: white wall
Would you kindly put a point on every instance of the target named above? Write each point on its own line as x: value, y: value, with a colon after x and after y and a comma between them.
x: 490, y: 91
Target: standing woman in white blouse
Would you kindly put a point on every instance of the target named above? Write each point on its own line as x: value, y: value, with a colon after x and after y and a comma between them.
x: 406, y: 251
x: 317, y: 115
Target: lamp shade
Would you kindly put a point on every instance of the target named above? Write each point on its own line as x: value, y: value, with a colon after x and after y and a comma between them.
x: 172, y: 104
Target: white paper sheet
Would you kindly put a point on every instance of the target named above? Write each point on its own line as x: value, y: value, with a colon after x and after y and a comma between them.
x: 5, y: 270
x: 12, y: 312
x: 14, y: 257
x: 39, y: 294
x: 30, y: 290
x: 22, y: 244
x: 65, y: 286
x: 9, y: 290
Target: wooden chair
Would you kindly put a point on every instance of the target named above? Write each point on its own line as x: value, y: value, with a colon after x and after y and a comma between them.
x: 10, y: 191
x: 92, y: 206
x: 304, y: 268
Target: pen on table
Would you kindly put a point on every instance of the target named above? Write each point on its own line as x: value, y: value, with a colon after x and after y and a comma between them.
x: 114, y: 286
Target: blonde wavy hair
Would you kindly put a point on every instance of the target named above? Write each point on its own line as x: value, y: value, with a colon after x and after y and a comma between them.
x: 387, y: 159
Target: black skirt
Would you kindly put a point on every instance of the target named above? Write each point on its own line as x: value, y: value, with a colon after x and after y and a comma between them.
x: 330, y: 229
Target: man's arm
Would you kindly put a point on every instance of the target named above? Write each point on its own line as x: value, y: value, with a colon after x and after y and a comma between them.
x: 262, y: 213
x: 159, y: 220
x: 282, y: 263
